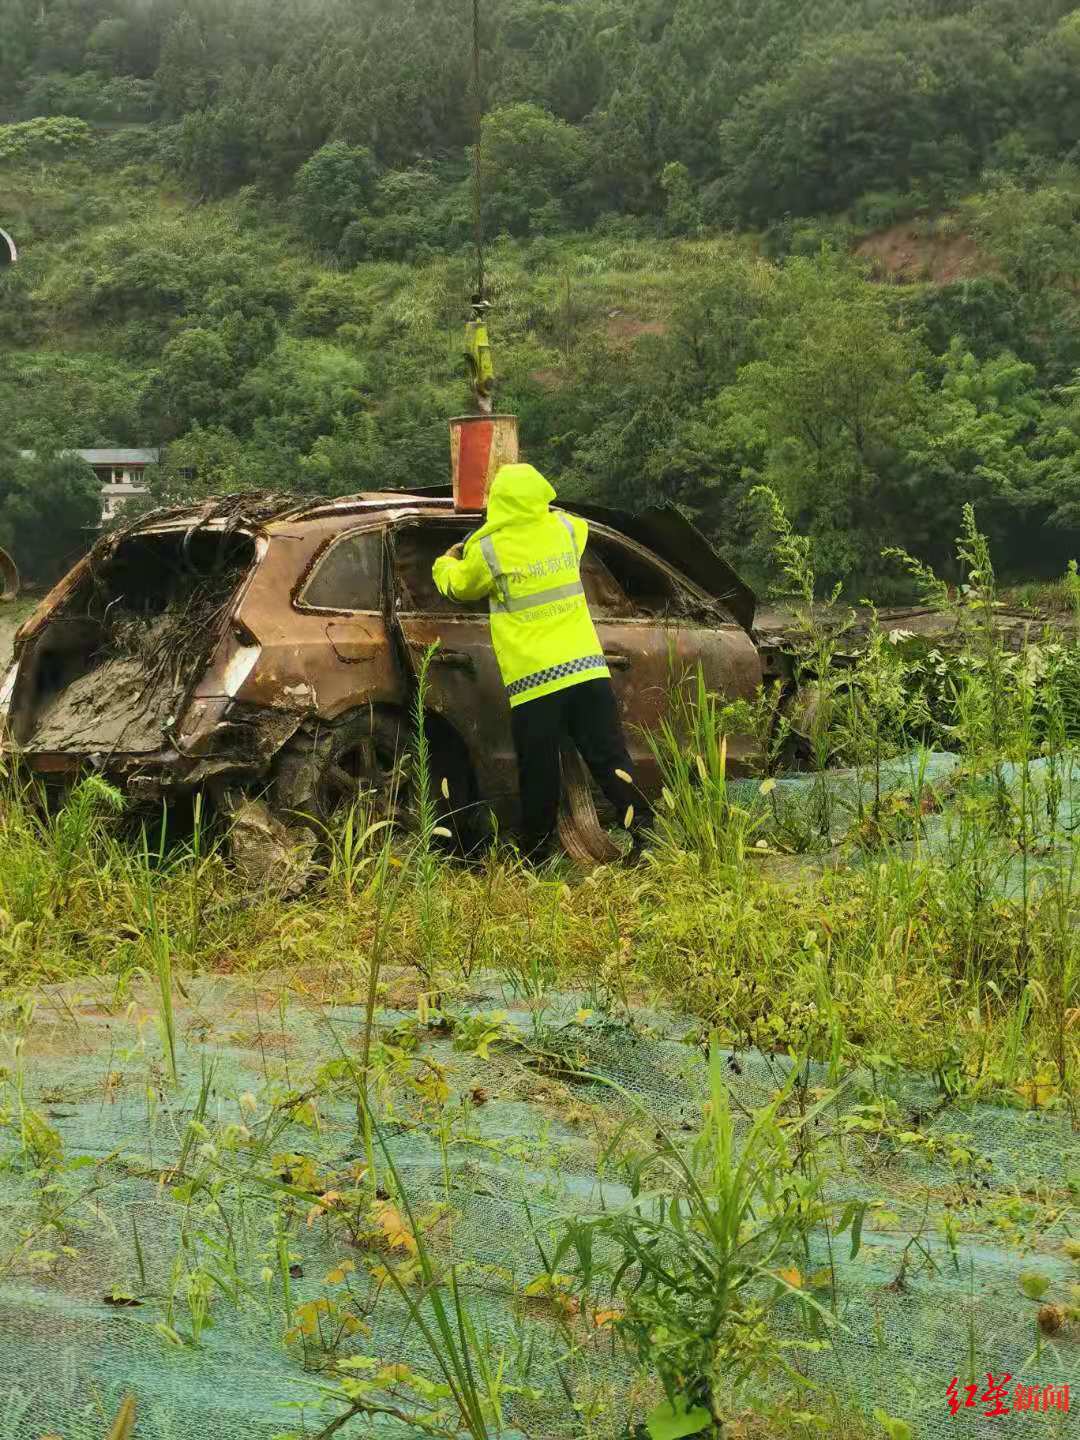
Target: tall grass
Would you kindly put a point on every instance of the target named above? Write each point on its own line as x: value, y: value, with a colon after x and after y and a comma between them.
x: 915, y: 952
x: 813, y: 643
x: 708, y: 1245
x: 159, y: 942
x: 696, y: 813
x: 962, y: 898
x: 918, y: 930
x: 425, y: 856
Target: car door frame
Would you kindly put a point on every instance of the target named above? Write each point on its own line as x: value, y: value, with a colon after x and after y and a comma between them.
x: 668, y: 652
x: 464, y: 687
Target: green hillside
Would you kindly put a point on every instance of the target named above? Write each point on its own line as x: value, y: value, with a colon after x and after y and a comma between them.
x: 314, y: 1130
x: 830, y: 247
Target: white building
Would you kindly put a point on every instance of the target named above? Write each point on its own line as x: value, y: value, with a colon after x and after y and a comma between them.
x: 120, y: 473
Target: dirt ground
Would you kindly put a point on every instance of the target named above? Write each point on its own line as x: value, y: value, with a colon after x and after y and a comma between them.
x: 905, y: 254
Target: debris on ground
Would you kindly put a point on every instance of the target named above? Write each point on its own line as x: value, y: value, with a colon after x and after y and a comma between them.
x: 1015, y: 625
x: 267, y: 853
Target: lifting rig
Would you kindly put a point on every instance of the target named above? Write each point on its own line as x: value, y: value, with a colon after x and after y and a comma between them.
x: 477, y: 348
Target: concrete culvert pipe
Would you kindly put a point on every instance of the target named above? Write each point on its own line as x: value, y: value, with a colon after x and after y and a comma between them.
x: 8, y: 252
x: 9, y: 577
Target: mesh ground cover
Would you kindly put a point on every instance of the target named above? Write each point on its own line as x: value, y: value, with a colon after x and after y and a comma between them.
x: 955, y: 806
x: 508, y: 1149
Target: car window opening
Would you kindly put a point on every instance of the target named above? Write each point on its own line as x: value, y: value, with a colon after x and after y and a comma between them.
x: 348, y: 575
x: 607, y: 599
x: 651, y: 591
x: 619, y: 584
x: 417, y: 547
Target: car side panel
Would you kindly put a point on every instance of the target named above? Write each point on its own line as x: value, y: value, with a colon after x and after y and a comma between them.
x: 314, y: 663
x: 465, y: 688
x: 648, y: 657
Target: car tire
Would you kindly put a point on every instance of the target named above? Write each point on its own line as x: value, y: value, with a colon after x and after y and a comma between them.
x: 326, y: 767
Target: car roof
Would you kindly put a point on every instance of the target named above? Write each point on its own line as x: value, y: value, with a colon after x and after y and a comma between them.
x: 374, y: 503
x: 664, y: 530
x: 284, y: 512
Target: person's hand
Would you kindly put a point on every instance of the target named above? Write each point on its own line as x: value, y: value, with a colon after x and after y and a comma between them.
x: 455, y: 551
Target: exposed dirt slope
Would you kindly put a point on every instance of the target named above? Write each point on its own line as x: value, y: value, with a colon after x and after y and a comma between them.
x: 912, y: 252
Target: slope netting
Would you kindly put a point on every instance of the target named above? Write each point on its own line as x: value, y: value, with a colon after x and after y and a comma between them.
x: 497, y: 1138
x: 942, y: 803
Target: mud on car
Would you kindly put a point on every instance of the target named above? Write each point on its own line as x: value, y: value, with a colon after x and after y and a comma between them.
x: 264, y: 646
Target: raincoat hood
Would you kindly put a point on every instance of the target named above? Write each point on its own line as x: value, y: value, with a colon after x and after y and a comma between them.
x: 518, y: 494
x: 526, y: 559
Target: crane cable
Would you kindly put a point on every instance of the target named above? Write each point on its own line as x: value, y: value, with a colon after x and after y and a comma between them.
x: 478, y: 179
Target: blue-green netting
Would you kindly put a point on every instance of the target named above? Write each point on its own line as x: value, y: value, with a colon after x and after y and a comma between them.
x: 510, y: 1150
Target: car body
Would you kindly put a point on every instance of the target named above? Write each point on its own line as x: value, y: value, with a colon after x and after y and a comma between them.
x: 237, y: 636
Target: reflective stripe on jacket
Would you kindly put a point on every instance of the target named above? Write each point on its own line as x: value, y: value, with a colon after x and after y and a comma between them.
x: 526, y: 559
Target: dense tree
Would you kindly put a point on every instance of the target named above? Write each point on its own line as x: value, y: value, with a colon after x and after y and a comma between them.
x: 17, y: 42
x: 205, y: 461
x: 332, y: 190
x: 196, y: 376
x: 532, y: 166
x: 811, y: 105
x: 682, y: 208
x: 269, y: 268
x: 217, y: 149
x: 1051, y: 84
x: 814, y: 414
x: 50, y: 505
x: 968, y: 442
x: 865, y: 111
x: 1031, y: 234
x: 184, y: 76
x: 414, y: 214
x: 42, y: 139
x: 1057, y: 445
x: 986, y: 313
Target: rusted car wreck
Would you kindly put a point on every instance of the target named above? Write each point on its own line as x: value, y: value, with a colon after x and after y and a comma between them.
x: 264, y: 646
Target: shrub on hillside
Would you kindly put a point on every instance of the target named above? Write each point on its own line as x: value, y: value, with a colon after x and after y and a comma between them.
x: 533, y: 167
x: 331, y: 302
x: 331, y: 190
x: 42, y: 139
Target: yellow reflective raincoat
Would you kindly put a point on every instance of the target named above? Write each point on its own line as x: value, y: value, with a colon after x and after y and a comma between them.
x: 527, y: 559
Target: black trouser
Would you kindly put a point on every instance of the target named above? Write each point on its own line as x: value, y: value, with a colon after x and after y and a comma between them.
x: 589, y: 714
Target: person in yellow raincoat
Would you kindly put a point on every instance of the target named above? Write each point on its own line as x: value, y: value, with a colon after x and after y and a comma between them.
x: 526, y: 558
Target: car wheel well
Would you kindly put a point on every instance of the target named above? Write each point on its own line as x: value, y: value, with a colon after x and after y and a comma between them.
x: 451, y: 758
x: 317, y: 744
